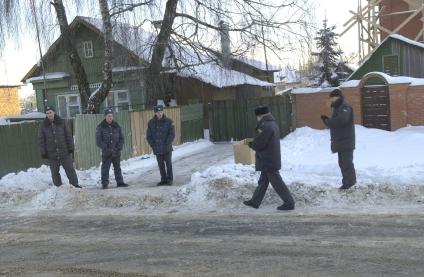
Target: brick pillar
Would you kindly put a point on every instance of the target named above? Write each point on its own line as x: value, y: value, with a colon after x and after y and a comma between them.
x: 398, y: 106
x: 353, y: 96
x: 415, y: 105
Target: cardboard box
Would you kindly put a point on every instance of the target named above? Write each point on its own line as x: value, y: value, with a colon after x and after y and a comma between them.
x: 243, y: 154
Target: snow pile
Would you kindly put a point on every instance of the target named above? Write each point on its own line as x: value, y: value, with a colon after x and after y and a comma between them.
x: 390, y: 170
x: 33, y: 189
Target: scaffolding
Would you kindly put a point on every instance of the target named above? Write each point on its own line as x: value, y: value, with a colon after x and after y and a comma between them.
x: 367, y: 20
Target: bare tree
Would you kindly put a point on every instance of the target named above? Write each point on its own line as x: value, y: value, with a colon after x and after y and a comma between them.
x: 192, y: 28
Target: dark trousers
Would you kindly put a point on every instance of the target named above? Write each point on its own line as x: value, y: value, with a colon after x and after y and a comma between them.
x: 277, y: 183
x: 106, y: 162
x: 68, y: 166
x: 165, y: 166
x: 347, y: 168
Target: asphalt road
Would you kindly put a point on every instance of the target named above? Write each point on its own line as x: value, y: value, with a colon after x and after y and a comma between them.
x: 273, y: 244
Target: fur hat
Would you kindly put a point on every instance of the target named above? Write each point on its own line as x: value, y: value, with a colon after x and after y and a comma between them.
x: 336, y: 93
x: 158, y: 108
x: 108, y: 111
x: 48, y: 108
x: 261, y: 110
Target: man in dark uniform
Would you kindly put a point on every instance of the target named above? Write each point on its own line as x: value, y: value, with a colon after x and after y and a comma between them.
x: 268, y: 161
x: 110, y: 139
x: 57, y: 146
x: 342, y: 131
x: 160, y: 135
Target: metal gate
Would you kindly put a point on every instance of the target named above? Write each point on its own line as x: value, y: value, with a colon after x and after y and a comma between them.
x: 236, y: 120
x: 376, y: 107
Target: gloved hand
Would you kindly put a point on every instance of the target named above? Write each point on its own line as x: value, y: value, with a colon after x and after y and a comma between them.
x: 324, y: 117
x: 250, y: 144
x: 44, y: 156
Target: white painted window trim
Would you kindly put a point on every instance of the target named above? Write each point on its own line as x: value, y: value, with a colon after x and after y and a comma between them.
x: 115, y: 99
x: 88, y: 43
x: 67, y: 106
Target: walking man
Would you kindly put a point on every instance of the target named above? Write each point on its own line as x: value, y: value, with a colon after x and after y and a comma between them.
x: 342, y: 131
x: 110, y: 139
x: 56, y: 144
x: 268, y: 161
x: 160, y: 135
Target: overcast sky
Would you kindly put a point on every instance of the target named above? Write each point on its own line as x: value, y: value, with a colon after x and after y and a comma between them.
x: 16, y: 62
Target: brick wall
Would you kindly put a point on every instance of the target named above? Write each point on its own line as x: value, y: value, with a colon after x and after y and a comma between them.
x: 309, y: 107
x: 406, y: 106
x: 398, y: 106
x: 9, y: 101
x: 415, y: 105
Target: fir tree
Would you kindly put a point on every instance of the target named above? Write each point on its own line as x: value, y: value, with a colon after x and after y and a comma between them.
x: 329, y: 54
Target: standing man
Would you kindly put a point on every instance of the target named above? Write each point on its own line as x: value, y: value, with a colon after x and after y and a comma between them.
x: 110, y: 139
x: 160, y: 135
x: 57, y: 146
x: 268, y: 161
x: 342, y: 131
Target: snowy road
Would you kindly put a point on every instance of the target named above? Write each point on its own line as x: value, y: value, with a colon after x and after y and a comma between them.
x: 213, y: 245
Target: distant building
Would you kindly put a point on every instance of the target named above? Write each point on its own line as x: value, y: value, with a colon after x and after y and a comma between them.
x: 237, y: 78
x: 9, y: 101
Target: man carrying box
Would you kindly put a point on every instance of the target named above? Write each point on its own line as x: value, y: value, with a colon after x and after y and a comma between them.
x: 268, y: 161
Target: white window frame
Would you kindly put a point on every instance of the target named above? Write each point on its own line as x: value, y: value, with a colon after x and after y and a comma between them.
x: 68, y: 115
x: 115, y: 99
x: 87, y: 48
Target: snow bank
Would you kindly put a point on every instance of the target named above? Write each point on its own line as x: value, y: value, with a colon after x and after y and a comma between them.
x: 390, y: 169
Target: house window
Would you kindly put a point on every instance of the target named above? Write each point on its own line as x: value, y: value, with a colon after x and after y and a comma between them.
x: 88, y: 49
x: 69, y: 105
x: 391, y: 65
x: 119, y: 100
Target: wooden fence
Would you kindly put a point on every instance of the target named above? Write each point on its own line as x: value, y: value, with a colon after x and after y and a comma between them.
x: 236, y: 120
x: 139, y: 122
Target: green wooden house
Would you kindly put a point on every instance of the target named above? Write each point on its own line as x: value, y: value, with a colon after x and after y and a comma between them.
x: 132, y: 49
x: 395, y: 56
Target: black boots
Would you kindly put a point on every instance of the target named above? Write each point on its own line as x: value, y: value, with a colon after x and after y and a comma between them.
x: 77, y: 186
x: 122, y: 185
x: 285, y: 207
x: 164, y: 183
x: 344, y: 187
x: 250, y: 204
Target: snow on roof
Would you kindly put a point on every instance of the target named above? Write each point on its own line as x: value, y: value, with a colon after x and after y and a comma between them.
x: 407, y: 40
x: 391, y: 80
x: 290, y: 75
x: 203, y: 67
x: 350, y: 84
x: 126, y: 68
x: 49, y: 76
x: 258, y: 64
x: 220, y: 77
x: 308, y: 90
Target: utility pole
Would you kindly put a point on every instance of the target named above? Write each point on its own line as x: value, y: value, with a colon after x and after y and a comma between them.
x: 41, y: 54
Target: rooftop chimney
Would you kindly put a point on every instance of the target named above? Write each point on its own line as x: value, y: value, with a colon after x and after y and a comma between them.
x: 225, y: 44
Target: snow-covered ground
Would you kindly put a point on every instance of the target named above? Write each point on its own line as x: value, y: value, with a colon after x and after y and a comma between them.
x: 390, y: 172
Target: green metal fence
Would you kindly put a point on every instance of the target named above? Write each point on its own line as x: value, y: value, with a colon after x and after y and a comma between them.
x: 19, y: 148
x: 235, y: 119
x: 87, y: 154
x: 191, y: 122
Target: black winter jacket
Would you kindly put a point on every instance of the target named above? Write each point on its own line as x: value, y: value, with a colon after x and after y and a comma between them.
x: 160, y: 135
x: 342, y: 127
x: 267, y: 145
x: 109, y: 138
x: 55, y: 139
